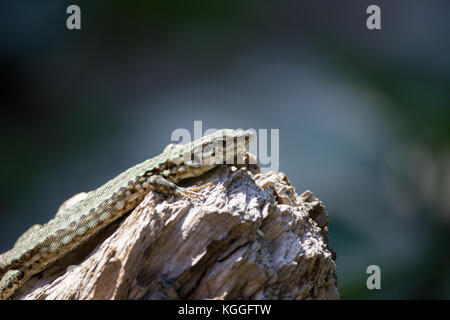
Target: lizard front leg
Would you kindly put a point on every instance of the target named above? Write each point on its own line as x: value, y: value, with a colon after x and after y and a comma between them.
x: 161, y: 184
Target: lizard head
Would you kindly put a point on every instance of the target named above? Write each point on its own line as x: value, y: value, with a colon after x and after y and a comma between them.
x: 224, y: 146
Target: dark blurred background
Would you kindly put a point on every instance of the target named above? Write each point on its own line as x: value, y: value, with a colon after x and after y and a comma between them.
x: 364, y: 116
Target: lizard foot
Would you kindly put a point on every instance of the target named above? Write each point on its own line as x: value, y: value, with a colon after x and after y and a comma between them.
x: 161, y: 184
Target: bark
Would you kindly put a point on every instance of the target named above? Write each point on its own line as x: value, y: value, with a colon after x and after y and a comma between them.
x: 250, y: 237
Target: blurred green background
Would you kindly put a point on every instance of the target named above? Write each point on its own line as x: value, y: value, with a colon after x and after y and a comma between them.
x: 364, y: 116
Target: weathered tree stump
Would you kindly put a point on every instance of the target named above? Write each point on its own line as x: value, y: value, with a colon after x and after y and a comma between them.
x: 250, y: 237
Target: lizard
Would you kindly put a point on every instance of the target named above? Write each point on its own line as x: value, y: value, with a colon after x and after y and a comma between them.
x: 43, y: 245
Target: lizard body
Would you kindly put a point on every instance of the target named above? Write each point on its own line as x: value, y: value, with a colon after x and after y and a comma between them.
x: 42, y: 246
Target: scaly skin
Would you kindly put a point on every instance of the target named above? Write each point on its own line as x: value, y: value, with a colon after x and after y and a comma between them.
x: 42, y: 246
